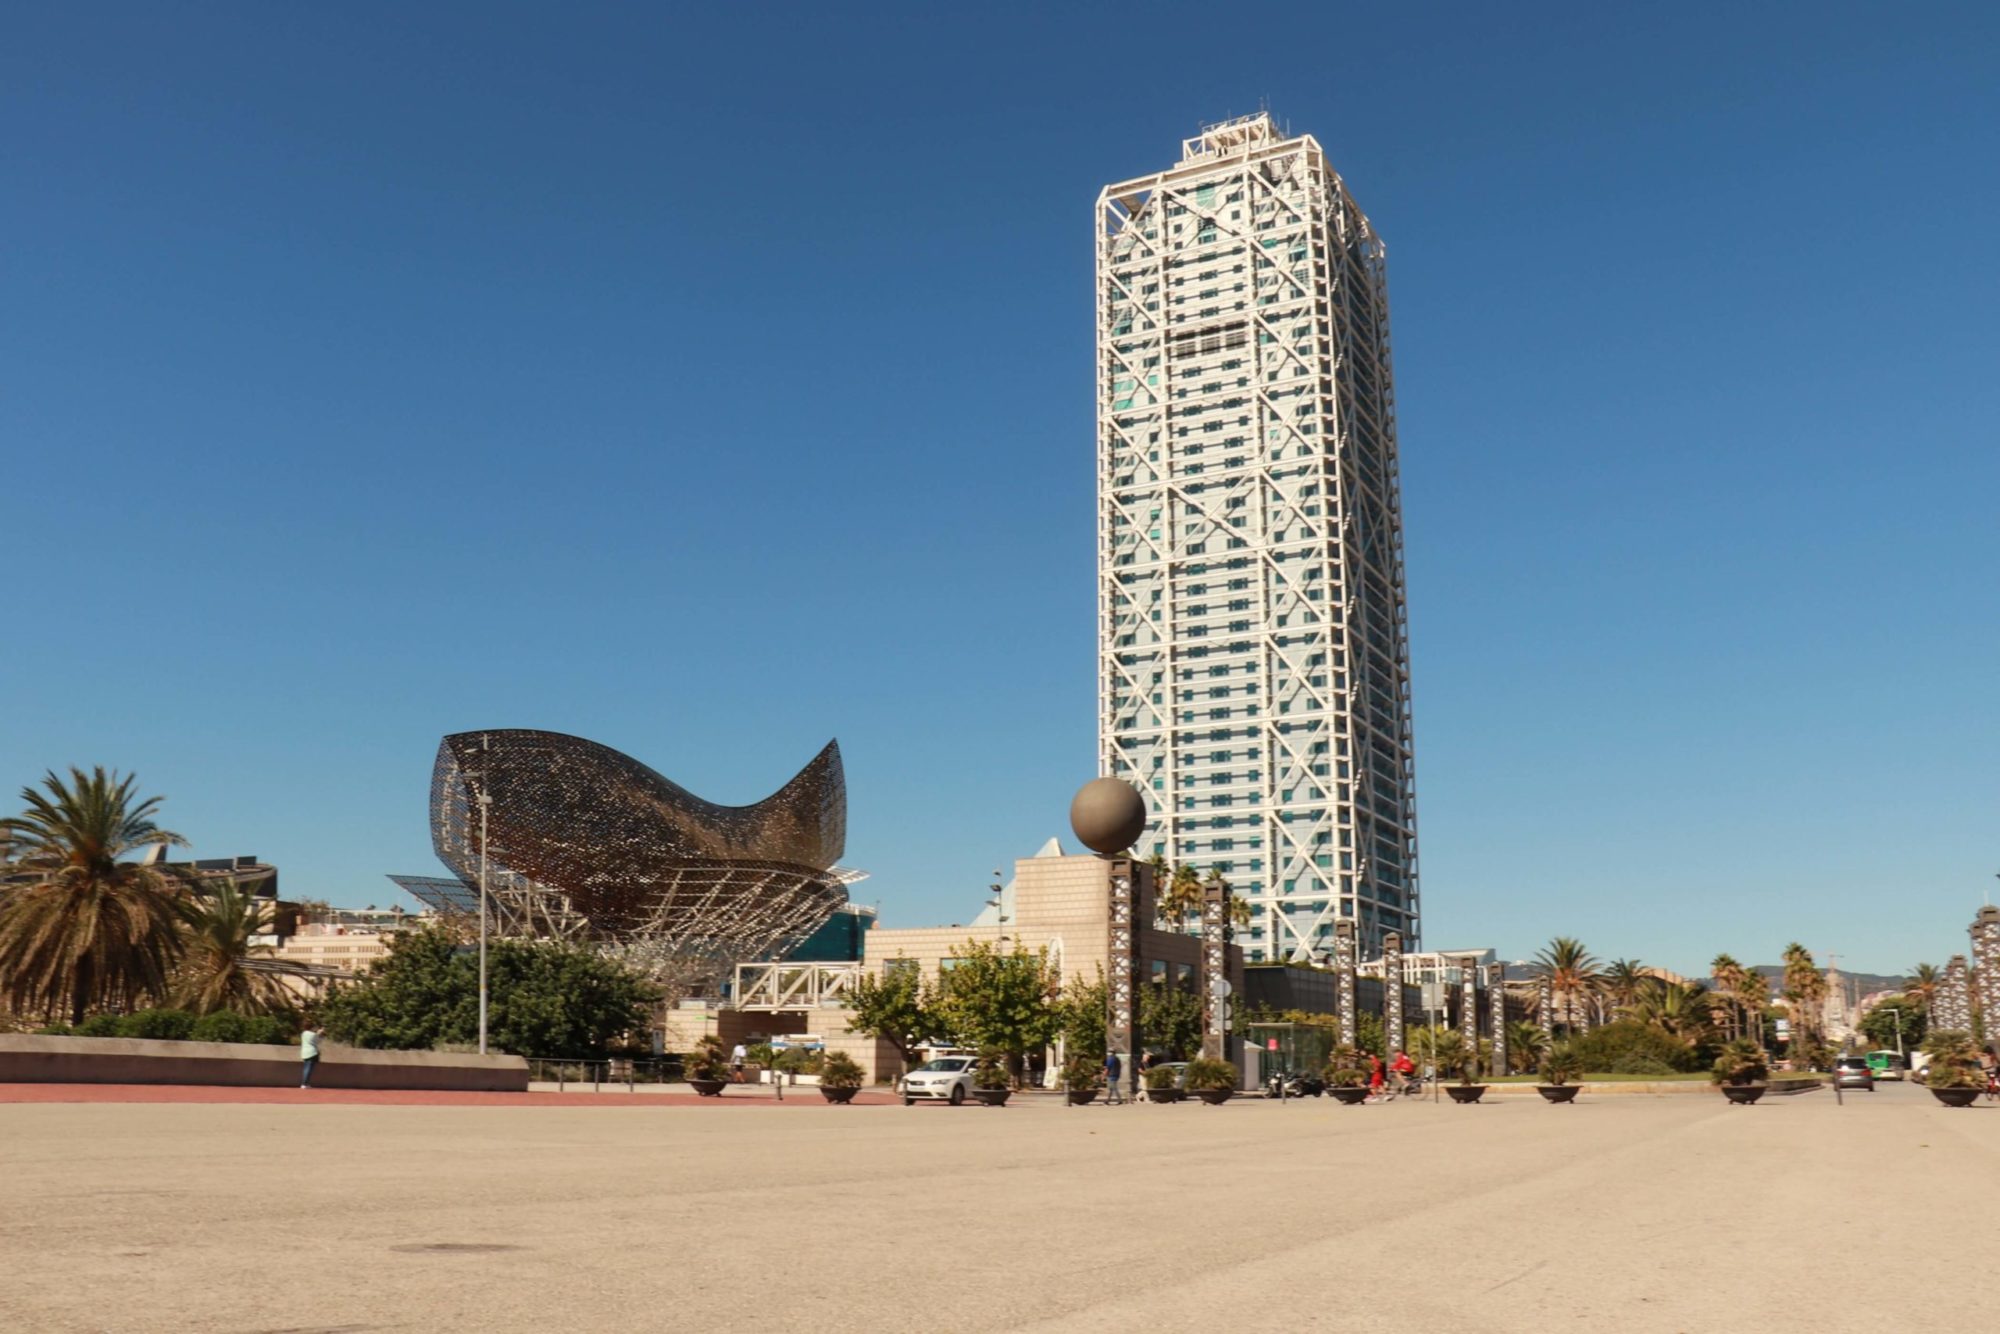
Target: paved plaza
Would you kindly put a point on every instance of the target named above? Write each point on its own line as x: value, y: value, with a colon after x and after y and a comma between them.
x: 1670, y: 1214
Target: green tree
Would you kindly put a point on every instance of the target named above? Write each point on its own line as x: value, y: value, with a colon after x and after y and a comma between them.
x: 1922, y: 987
x: 215, y: 972
x: 1369, y: 1035
x: 1170, y: 1020
x: 1880, y: 1025
x: 895, y: 1007
x: 89, y: 930
x: 546, y: 998
x: 1525, y: 1044
x: 1805, y: 990
x: 989, y: 997
x: 1678, y: 1009
x: 1625, y: 982
x: 1081, y: 1012
x: 1728, y: 975
x: 1179, y: 899
x: 1572, y: 974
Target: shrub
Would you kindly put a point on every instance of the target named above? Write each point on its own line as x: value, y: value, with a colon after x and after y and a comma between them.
x: 102, y: 1026
x: 1741, y: 1062
x: 54, y: 1031
x: 840, y: 1071
x: 1343, y: 1069
x: 990, y: 1073
x: 707, y: 1061
x: 1160, y: 1078
x: 1205, y: 1074
x: 1636, y: 1064
x: 1561, y: 1065
x: 1603, y: 1048
x: 166, y: 1025
x: 798, y: 1061
x: 1954, y: 1060
x: 222, y: 1026
x: 270, y: 1030
x: 760, y: 1053
x: 1942, y: 1075
x: 1080, y: 1072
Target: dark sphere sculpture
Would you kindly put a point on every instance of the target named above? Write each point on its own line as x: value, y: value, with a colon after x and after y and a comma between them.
x: 1108, y: 815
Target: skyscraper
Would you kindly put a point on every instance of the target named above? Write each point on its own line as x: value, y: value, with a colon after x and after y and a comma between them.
x: 1253, y: 655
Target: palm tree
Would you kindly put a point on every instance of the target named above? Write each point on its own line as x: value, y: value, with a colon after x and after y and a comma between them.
x: 1753, y: 995
x: 1624, y: 981
x: 1572, y: 974
x: 1805, y: 989
x: 216, y: 973
x: 88, y: 930
x: 1680, y: 1010
x: 1181, y: 898
x: 1728, y: 975
x: 1922, y: 988
x: 1525, y: 1044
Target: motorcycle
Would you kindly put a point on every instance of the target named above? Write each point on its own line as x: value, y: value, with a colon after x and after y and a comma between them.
x: 1295, y: 1086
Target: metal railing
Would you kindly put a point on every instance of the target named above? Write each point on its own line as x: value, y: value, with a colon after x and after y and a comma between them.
x: 616, y: 1072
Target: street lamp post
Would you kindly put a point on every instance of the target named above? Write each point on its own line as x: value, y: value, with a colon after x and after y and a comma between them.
x: 485, y: 804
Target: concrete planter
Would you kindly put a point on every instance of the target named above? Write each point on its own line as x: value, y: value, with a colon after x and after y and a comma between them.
x: 31, y: 1059
x: 1215, y: 1097
x: 1558, y: 1092
x: 708, y: 1088
x: 1955, y: 1097
x: 837, y: 1095
x: 1349, y: 1097
x: 1742, y: 1095
x: 1078, y: 1097
x: 1465, y: 1092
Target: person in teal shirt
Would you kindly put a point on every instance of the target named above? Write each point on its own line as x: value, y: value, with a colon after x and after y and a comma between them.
x: 308, y: 1055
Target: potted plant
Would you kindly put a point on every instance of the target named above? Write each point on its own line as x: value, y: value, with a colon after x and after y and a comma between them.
x: 1560, y: 1069
x: 990, y: 1085
x: 1345, y: 1078
x: 839, y: 1077
x: 1162, y: 1085
x: 1953, y: 1076
x: 1081, y: 1076
x: 1467, y: 1089
x: 1211, y: 1080
x: 706, y: 1068
x: 1741, y: 1072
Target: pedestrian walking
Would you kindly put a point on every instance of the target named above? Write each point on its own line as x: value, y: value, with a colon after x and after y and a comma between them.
x: 737, y: 1057
x: 308, y: 1054
x: 1112, y: 1070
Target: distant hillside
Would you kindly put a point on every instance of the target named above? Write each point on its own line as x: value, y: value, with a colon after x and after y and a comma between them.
x: 1863, y: 983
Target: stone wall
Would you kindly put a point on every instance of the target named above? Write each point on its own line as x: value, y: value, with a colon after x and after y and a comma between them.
x: 27, y: 1059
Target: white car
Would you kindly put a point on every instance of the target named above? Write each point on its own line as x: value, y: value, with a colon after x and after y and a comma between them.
x: 946, y: 1079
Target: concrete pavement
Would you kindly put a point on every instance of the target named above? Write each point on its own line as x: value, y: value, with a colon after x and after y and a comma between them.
x: 1668, y: 1214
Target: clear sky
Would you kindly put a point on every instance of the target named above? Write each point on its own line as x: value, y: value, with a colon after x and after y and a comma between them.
x: 713, y: 380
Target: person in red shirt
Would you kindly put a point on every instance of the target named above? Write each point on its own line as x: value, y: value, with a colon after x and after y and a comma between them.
x: 1402, y: 1064
x: 1374, y: 1074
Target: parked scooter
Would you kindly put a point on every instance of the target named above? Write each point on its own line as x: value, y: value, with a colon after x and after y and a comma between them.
x: 1295, y: 1086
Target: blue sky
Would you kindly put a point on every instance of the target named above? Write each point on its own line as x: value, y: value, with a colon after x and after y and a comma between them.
x: 712, y: 381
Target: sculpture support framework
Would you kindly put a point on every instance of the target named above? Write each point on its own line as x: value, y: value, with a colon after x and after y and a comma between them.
x: 583, y: 842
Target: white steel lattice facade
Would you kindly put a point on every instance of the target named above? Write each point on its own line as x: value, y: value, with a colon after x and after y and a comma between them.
x: 1253, y: 650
